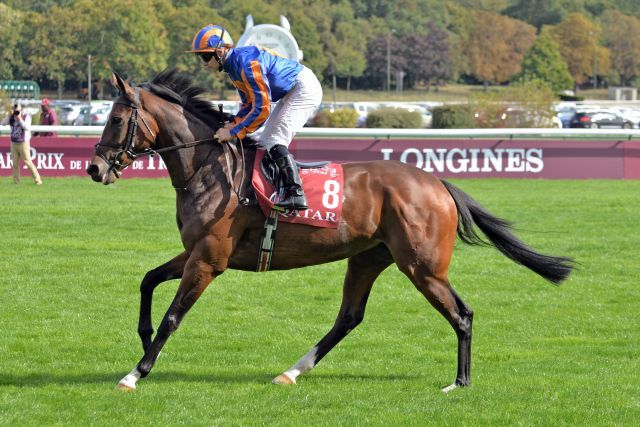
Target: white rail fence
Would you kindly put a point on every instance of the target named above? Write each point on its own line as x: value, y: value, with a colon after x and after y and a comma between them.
x: 619, y: 134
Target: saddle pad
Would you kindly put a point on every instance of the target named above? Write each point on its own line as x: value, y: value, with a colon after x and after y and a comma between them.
x: 322, y: 186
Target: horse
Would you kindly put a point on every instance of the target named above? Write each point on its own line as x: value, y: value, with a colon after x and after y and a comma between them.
x: 392, y: 213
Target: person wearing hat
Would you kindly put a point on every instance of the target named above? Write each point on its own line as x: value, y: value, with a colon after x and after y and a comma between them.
x: 48, y: 117
x: 262, y: 78
x: 20, y: 124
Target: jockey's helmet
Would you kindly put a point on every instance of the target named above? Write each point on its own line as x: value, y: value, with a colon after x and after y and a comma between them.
x: 210, y: 38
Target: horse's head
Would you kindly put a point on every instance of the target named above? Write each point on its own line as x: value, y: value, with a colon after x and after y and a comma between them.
x: 129, y: 131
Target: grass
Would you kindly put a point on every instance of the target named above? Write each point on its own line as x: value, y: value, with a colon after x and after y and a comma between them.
x: 73, y: 253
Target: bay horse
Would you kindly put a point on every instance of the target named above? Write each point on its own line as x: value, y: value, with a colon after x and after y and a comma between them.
x: 392, y: 213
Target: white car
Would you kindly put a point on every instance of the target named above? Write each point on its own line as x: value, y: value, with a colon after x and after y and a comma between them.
x: 632, y: 115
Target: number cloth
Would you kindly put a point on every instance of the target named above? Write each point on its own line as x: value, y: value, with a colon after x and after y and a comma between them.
x: 322, y: 186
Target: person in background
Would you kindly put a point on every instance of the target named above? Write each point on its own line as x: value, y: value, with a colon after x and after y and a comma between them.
x: 48, y: 117
x: 263, y: 78
x: 20, y: 124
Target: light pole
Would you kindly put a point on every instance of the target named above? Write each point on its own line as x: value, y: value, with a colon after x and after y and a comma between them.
x: 595, y: 59
x: 389, y: 60
x: 89, y: 79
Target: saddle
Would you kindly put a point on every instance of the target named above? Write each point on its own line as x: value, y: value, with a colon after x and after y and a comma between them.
x: 271, y: 171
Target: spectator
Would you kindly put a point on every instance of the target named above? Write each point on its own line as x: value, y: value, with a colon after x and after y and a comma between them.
x: 20, y: 124
x: 48, y: 117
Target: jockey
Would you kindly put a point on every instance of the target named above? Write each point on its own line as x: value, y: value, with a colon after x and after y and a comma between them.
x: 262, y: 78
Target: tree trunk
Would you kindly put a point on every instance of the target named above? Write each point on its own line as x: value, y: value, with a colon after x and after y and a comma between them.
x: 60, y: 87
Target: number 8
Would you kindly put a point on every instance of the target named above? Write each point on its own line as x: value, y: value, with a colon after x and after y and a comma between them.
x: 330, y: 199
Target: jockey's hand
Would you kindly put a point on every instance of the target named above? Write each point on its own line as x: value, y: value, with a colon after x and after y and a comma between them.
x: 224, y: 134
x: 229, y: 125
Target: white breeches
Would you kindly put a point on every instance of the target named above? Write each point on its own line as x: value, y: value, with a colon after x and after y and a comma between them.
x: 292, y: 111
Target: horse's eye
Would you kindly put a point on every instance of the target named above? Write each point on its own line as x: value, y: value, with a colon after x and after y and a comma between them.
x: 116, y: 120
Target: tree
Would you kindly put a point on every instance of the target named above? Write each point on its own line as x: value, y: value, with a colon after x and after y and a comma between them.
x: 180, y: 20
x: 544, y: 62
x: 349, y: 52
x: 376, y: 70
x: 495, y: 45
x: 622, y: 37
x: 10, y: 47
x: 578, y: 39
x: 536, y: 12
x: 53, y: 47
x: 427, y: 56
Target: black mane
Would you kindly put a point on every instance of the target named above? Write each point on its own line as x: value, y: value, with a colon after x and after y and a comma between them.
x: 178, y: 88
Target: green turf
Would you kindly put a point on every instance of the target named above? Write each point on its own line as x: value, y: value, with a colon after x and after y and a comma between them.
x: 73, y: 253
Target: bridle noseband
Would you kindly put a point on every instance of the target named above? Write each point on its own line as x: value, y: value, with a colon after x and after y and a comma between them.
x: 116, y: 162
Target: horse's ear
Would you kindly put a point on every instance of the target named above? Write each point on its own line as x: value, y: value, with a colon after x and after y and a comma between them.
x: 124, y: 88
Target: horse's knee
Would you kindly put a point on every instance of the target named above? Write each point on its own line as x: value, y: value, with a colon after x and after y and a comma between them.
x: 149, y: 282
x: 349, y: 321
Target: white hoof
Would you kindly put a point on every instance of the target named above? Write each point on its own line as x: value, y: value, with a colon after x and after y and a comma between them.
x: 128, y: 383
x: 449, y: 388
x: 283, y: 379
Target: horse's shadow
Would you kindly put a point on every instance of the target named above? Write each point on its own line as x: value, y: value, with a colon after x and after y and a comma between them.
x: 43, y: 379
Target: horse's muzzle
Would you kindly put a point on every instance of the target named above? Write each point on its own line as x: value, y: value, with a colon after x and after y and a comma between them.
x: 100, y: 172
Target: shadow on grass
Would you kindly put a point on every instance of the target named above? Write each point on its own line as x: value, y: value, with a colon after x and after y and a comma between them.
x: 44, y: 379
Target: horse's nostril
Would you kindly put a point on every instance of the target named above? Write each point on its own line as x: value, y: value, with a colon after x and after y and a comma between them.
x: 92, y: 169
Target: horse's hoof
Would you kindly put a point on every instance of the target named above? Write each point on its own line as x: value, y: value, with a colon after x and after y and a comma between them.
x: 127, y: 388
x: 283, y: 379
x: 128, y: 383
x: 450, y: 388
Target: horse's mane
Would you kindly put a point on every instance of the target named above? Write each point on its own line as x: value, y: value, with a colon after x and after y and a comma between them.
x: 178, y: 88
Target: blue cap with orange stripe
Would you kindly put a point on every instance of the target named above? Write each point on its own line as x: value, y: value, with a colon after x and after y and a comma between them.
x: 210, y: 38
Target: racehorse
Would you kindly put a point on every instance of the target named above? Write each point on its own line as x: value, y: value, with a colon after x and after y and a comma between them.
x: 392, y: 213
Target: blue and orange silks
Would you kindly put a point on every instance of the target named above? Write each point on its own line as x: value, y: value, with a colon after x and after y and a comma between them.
x: 261, y: 78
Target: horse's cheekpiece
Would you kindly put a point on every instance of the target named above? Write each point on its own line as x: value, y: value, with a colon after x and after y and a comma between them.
x: 322, y: 184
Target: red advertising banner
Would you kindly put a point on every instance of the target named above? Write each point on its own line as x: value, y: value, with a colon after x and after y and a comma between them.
x: 456, y: 157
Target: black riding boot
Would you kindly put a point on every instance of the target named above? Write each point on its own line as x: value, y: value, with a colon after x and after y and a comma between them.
x: 293, y: 197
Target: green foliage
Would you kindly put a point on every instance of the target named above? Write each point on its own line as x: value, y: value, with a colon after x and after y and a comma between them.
x: 394, y: 118
x: 544, y: 62
x: 49, y: 40
x: 341, y: 118
x: 11, y: 42
x: 453, y: 116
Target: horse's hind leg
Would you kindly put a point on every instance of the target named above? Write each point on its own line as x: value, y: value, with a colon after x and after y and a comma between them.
x: 167, y: 271
x: 439, y: 293
x: 362, y: 271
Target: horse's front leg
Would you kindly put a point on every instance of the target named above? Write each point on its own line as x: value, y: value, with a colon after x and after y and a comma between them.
x: 168, y: 271
x: 197, y: 275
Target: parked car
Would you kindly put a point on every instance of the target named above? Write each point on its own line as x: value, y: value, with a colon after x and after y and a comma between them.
x: 69, y: 114
x: 631, y: 114
x: 94, y: 115
x: 565, y: 112
x: 600, y: 119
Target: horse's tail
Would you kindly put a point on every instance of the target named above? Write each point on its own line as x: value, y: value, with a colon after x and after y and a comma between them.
x: 470, y: 212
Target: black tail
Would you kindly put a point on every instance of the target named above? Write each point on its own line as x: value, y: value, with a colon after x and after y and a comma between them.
x: 470, y: 212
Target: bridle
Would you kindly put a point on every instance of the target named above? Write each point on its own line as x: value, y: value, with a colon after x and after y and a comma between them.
x: 116, y: 165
